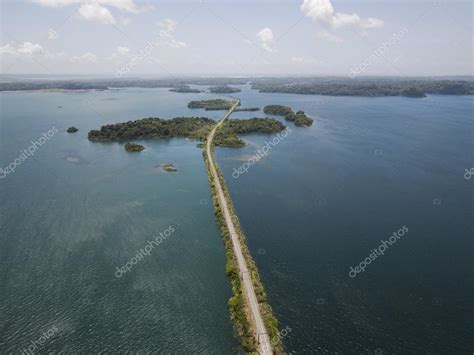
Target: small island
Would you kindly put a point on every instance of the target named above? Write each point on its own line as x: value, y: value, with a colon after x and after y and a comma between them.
x: 211, y: 105
x: 278, y: 110
x: 299, y: 118
x: 169, y: 168
x: 223, y: 89
x: 184, y: 89
x: 227, y: 135
x: 133, y: 147
x: 249, y: 109
x: 72, y: 129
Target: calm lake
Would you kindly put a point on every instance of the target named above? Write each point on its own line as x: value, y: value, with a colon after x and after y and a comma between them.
x: 317, y: 204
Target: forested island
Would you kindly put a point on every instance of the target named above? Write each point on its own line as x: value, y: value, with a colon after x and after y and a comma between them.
x: 249, y: 109
x: 190, y: 127
x: 133, y: 147
x: 211, y: 105
x: 299, y: 118
x: 223, y: 89
x: 150, y: 128
x: 227, y: 134
x: 72, y: 129
x: 184, y: 89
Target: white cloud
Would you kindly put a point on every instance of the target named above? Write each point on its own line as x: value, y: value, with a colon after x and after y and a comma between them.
x: 123, y: 50
x: 98, y: 10
x: 122, y: 5
x: 95, y: 12
x: 29, y: 48
x: 85, y: 58
x: 371, y: 22
x: 52, y: 34
x: 168, y: 24
x: 266, y: 39
x: 23, y: 50
x: 167, y: 34
x: 327, y: 36
x: 55, y: 3
x: 322, y: 11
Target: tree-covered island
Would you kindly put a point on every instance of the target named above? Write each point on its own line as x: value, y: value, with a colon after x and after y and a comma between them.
x: 184, y: 89
x: 190, y: 127
x: 249, y: 109
x: 299, y: 118
x: 223, y: 89
x: 215, y: 104
x: 133, y: 147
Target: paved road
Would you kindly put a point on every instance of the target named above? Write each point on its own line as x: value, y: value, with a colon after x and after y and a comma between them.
x: 249, y: 292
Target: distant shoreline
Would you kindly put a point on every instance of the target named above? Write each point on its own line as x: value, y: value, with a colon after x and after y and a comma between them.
x: 342, y: 86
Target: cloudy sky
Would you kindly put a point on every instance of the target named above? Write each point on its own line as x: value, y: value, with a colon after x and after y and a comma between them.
x: 129, y: 38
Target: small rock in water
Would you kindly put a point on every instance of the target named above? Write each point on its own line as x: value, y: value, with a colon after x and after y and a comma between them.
x: 169, y: 168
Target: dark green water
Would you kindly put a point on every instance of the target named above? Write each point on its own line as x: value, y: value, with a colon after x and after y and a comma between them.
x: 316, y: 205
x: 77, y: 210
x: 325, y: 196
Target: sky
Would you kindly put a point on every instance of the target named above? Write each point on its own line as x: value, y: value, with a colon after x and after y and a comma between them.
x: 130, y: 38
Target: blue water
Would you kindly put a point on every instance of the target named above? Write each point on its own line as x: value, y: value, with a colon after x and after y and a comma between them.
x: 325, y: 196
x: 314, y: 206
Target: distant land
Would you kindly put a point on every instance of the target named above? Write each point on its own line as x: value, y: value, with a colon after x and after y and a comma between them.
x: 184, y: 89
x: 223, y: 89
x: 329, y: 86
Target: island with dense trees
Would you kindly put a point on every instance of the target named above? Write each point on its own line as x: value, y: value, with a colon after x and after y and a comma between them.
x: 190, y: 127
x: 227, y: 136
x: 299, y: 118
x: 133, y: 147
x: 72, y: 129
x: 223, y: 89
x: 150, y: 128
x: 249, y: 109
x: 184, y: 89
x: 279, y: 110
x: 215, y: 104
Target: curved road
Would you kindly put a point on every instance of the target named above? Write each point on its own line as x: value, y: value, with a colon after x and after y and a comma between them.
x: 249, y: 292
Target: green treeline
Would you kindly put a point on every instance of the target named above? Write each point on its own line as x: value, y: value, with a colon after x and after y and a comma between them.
x: 299, y: 118
x: 216, y: 104
x: 190, y: 127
